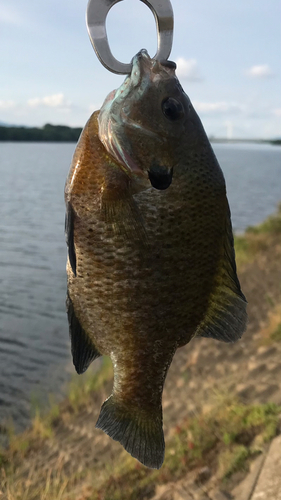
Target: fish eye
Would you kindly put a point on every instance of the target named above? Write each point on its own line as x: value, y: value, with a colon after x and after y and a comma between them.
x: 172, y: 109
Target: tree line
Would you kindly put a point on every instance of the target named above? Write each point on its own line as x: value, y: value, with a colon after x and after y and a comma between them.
x: 48, y: 133
x: 62, y: 133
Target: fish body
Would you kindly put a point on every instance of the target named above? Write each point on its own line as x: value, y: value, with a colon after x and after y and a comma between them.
x: 151, y: 262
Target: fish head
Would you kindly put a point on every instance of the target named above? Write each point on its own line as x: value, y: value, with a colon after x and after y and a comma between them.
x: 145, y: 122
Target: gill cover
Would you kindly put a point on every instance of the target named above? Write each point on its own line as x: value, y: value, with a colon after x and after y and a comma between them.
x: 147, y: 113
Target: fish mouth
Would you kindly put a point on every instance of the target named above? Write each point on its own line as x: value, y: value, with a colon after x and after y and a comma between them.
x: 160, y: 177
x: 143, y: 66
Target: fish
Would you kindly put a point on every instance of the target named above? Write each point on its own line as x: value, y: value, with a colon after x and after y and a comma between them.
x: 151, y: 260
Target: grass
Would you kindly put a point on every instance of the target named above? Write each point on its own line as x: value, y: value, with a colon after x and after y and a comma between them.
x: 52, y: 483
x: 257, y: 238
x: 44, y: 423
x: 233, y: 460
x: 224, y: 439
x: 271, y: 225
x: 276, y: 334
x: 82, y: 386
x: 271, y: 333
x: 52, y: 488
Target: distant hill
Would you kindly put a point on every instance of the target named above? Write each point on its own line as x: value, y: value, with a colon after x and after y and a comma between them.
x: 62, y: 133
x: 276, y: 142
x: 48, y: 133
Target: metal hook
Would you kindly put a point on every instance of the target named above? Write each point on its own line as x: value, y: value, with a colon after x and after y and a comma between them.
x: 97, y: 11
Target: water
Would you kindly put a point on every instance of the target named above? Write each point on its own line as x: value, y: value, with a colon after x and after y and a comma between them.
x: 34, y: 345
x: 253, y: 180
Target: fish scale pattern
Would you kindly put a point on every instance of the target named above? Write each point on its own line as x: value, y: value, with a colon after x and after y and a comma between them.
x: 132, y: 285
x: 154, y: 267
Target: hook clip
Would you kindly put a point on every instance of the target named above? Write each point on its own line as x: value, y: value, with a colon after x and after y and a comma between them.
x: 97, y: 11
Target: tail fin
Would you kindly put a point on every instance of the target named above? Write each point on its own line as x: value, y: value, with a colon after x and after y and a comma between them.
x: 141, y: 433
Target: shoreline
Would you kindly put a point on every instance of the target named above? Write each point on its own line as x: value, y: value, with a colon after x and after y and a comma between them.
x: 64, y: 133
x: 234, y: 385
x: 213, y: 140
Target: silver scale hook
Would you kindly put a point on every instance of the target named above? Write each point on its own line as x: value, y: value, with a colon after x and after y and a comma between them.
x: 97, y: 11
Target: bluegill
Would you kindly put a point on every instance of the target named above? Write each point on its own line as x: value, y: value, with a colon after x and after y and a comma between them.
x: 151, y: 261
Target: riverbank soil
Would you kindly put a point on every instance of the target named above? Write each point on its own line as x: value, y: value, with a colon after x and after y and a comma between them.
x: 210, y: 386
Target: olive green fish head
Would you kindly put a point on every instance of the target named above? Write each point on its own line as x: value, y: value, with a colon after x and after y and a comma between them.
x: 147, y: 121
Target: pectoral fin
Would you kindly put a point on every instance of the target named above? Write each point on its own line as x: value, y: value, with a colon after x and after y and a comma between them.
x: 124, y: 216
x: 82, y: 348
x: 226, y: 316
x: 69, y: 236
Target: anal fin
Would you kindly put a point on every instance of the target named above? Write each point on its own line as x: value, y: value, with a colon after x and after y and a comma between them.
x: 82, y: 347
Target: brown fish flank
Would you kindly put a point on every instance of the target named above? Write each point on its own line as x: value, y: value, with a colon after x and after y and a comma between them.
x: 147, y: 270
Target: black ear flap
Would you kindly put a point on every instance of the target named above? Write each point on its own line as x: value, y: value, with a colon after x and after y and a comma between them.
x: 69, y: 235
x: 82, y: 347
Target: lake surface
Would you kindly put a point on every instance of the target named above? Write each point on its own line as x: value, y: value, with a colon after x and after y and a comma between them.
x: 34, y: 345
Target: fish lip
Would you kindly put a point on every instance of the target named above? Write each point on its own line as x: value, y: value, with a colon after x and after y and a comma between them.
x: 141, y: 68
x: 142, y: 57
x: 143, y: 64
x: 160, y: 177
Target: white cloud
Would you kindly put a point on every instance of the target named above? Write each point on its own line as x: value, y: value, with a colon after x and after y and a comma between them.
x: 34, y: 102
x: 188, y: 69
x: 9, y: 15
x: 52, y: 101
x: 260, y: 71
x: 7, y: 104
x: 217, y: 107
x: 277, y: 112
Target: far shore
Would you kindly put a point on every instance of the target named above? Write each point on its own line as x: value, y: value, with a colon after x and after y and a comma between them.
x: 63, y: 133
x: 275, y: 142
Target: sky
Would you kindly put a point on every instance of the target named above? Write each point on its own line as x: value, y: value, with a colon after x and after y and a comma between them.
x: 227, y: 55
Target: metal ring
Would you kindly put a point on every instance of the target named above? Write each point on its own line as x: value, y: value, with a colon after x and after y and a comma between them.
x: 97, y: 11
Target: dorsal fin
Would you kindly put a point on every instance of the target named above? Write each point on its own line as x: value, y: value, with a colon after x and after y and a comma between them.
x: 82, y: 347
